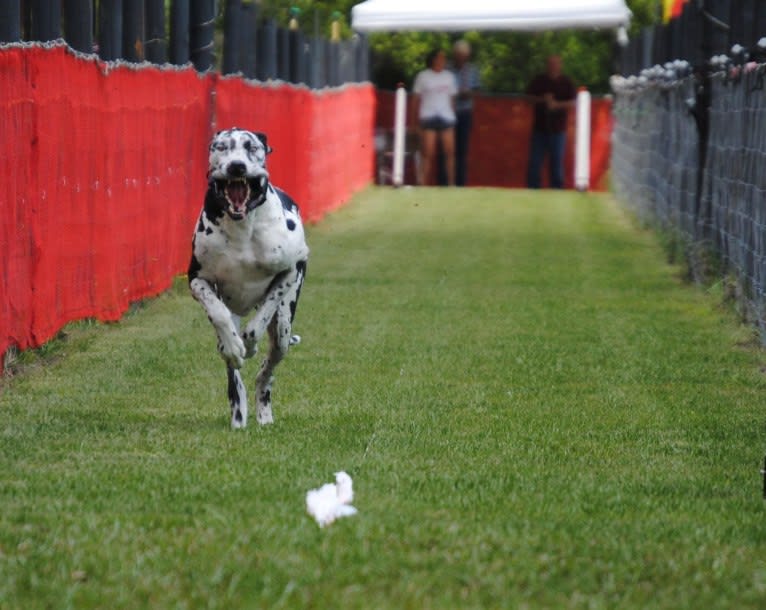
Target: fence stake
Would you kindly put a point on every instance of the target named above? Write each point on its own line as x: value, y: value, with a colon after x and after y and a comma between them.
x: 582, y: 141
x: 400, y: 127
x: 78, y: 24
x: 179, y: 32
x: 249, y: 39
x: 296, y: 56
x: 266, y: 66
x: 283, y: 54
x: 156, y: 39
x: 232, y: 18
x: 202, y: 16
x: 10, y: 20
x: 46, y: 20
x: 110, y: 29
x: 133, y: 30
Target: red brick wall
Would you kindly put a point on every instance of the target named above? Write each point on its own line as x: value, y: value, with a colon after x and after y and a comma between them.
x: 500, y: 140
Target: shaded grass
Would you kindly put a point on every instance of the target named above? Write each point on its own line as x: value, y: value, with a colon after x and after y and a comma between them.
x: 536, y: 413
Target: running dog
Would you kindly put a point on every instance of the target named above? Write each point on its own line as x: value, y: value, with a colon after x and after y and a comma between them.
x: 249, y: 253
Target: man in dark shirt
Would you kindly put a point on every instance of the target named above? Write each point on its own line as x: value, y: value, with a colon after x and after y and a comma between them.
x: 553, y: 94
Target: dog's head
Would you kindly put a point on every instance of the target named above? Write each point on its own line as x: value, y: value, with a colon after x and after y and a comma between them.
x: 237, y: 170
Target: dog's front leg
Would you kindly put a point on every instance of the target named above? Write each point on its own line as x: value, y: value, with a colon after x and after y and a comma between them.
x: 275, y: 314
x: 230, y: 345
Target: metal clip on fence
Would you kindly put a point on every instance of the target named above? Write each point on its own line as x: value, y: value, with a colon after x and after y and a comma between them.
x: 763, y: 472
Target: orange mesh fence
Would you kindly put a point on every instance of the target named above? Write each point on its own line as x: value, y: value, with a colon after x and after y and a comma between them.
x: 499, y: 146
x: 102, y: 174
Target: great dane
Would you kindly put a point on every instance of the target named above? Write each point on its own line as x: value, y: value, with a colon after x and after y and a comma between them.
x: 249, y: 254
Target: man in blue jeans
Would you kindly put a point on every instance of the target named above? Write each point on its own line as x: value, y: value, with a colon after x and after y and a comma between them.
x: 553, y: 94
x: 467, y: 77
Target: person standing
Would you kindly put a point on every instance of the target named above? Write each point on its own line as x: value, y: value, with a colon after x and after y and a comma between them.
x: 553, y: 94
x: 434, y: 91
x: 467, y: 77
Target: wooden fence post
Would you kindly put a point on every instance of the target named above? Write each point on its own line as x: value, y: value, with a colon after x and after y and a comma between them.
x: 202, y: 16
x: 179, y: 32
x: 266, y: 65
x: 156, y: 36
x: 46, y: 20
x: 232, y: 40
x: 78, y: 24
x: 133, y: 30
x: 10, y: 20
x: 249, y: 40
x: 110, y: 29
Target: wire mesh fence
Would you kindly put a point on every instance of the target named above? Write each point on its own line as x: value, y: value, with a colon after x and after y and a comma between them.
x: 735, y: 181
x: 689, y: 155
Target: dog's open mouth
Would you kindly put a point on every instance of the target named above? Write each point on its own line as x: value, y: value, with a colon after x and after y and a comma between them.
x: 242, y: 194
x: 237, y: 192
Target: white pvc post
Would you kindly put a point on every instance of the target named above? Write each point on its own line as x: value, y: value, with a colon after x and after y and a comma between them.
x: 582, y: 141
x: 400, y: 126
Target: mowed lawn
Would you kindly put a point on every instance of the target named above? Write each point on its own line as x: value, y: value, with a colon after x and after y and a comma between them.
x: 535, y: 409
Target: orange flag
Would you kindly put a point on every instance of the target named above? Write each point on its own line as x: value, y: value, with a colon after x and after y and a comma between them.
x: 672, y: 9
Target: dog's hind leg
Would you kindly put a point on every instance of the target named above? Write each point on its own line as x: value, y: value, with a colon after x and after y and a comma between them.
x: 237, y: 398
x: 279, y: 344
x: 280, y: 338
x: 257, y: 326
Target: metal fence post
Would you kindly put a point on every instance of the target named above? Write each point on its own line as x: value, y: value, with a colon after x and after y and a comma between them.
x: 133, y: 30
x: 232, y: 17
x: 283, y: 54
x: 317, y: 78
x: 719, y: 37
x: 179, y: 32
x: 156, y: 36
x: 202, y: 16
x: 110, y: 29
x: 46, y: 20
x: 10, y: 20
x: 78, y: 24
x: 361, y: 58
x: 248, y: 55
x: 296, y: 57
x: 333, y: 62
x: 266, y: 65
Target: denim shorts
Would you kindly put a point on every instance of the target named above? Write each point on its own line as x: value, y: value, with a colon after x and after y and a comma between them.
x: 436, y: 123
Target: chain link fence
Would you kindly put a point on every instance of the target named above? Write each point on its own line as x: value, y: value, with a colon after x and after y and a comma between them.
x: 689, y: 155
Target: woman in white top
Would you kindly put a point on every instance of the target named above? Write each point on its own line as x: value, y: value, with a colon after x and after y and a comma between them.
x: 434, y: 92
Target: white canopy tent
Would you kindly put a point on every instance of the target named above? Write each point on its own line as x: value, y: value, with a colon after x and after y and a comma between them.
x: 459, y: 15
x: 519, y: 15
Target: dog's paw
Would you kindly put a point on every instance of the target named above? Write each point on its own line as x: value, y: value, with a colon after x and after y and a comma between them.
x: 232, y: 349
x: 251, y: 345
x: 263, y: 415
x: 238, y: 419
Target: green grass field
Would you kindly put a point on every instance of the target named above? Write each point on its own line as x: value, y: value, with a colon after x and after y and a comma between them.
x: 536, y: 411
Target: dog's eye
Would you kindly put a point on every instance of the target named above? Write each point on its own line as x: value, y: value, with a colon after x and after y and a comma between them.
x: 220, y: 146
x: 248, y: 145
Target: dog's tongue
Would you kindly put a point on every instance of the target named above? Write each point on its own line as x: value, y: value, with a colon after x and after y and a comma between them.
x: 237, y: 193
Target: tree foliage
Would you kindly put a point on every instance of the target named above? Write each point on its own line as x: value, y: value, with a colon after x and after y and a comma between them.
x: 506, y: 60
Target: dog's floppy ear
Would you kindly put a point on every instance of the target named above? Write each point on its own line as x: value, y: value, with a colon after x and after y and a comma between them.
x: 264, y: 140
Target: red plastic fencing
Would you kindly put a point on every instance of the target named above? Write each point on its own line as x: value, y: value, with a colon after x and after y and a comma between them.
x: 499, y: 146
x: 322, y: 140
x: 102, y: 174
